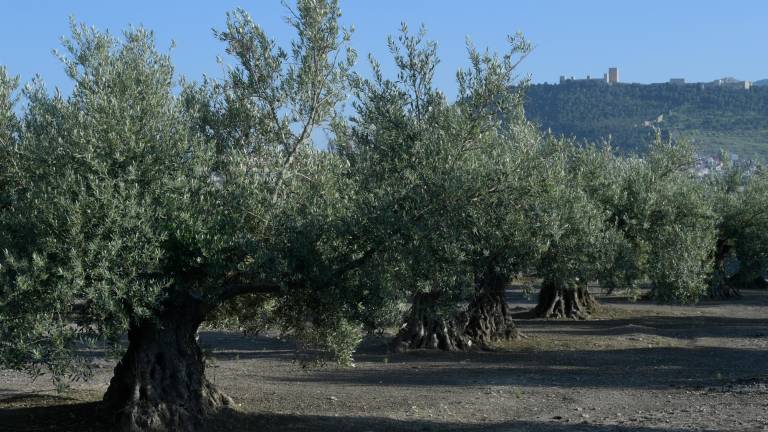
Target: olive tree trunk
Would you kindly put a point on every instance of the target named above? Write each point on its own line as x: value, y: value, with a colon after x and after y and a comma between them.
x: 425, y: 329
x: 559, y: 300
x: 487, y: 320
x: 160, y: 383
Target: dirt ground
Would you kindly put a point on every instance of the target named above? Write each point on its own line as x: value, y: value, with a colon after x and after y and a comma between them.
x: 639, y: 367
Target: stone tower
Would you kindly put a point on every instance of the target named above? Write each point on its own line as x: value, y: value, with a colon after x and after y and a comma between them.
x: 613, y: 75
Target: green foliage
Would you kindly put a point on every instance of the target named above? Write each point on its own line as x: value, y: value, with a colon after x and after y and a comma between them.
x: 91, y: 179
x: 739, y: 198
x: 666, y: 221
x: 439, y: 173
x: 680, y: 239
x: 9, y: 124
x: 9, y: 135
x: 337, y: 341
x: 572, y: 226
x: 126, y: 198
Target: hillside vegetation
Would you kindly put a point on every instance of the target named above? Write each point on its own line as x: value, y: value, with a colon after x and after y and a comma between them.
x: 712, y: 118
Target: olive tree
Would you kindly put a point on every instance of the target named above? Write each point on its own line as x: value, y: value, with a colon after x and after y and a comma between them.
x: 573, y: 228
x: 657, y: 225
x: 129, y: 207
x: 447, y: 171
x: 739, y: 196
x: 666, y: 221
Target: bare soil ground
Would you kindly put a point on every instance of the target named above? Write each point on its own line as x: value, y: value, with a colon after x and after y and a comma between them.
x: 638, y: 367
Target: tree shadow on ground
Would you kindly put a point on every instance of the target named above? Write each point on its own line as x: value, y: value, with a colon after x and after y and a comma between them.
x: 84, y: 417
x: 652, y: 367
x: 639, y: 367
x: 747, y: 297
x: 28, y: 413
x: 683, y: 327
x: 303, y: 423
x: 657, y: 368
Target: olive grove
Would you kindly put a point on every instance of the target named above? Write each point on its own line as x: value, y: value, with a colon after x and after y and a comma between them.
x: 142, y: 205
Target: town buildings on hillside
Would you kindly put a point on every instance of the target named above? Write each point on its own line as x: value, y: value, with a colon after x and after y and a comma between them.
x: 729, y: 83
x: 612, y: 77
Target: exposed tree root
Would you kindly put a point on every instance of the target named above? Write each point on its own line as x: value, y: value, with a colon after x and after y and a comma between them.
x: 562, y: 301
x: 489, y: 321
x: 486, y: 321
x: 423, y: 331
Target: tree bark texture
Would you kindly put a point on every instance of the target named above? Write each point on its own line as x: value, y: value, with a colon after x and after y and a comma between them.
x: 423, y: 329
x: 559, y: 300
x: 486, y: 321
x: 488, y: 318
x: 160, y: 383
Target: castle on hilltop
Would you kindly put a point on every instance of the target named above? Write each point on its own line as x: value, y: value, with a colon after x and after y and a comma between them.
x: 611, y: 77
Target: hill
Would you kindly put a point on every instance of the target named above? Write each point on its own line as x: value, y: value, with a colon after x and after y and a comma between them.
x: 712, y: 118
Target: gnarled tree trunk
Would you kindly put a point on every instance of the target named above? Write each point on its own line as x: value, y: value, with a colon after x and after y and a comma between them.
x: 559, y: 300
x: 488, y: 319
x: 160, y: 383
x: 423, y: 329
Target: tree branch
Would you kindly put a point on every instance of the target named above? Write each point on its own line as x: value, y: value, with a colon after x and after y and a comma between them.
x: 239, y: 284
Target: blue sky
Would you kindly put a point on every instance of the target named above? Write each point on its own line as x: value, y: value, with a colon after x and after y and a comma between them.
x: 650, y: 41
